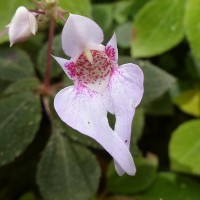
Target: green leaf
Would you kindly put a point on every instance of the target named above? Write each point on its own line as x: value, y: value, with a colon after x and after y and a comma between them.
x: 158, y: 27
x: 82, y: 7
x: 22, y: 85
x: 189, y: 102
x: 169, y: 186
x: 7, y: 11
x: 119, y: 198
x: 138, y: 125
x: 57, y: 51
x: 67, y: 170
x: 124, y: 34
x: 184, y: 148
x: 14, y: 65
x: 19, y: 121
x: 103, y: 15
x: 161, y: 106
x: 156, y: 80
x: 145, y: 175
x: 122, y: 11
x: 192, y: 24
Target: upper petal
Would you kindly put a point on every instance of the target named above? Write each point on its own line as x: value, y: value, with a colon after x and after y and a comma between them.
x: 84, y: 111
x: 78, y: 33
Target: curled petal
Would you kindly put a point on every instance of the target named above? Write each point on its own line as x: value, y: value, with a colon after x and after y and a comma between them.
x: 111, y: 49
x: 78, y: 33
x: 84, y: 111
x: 121, y: 98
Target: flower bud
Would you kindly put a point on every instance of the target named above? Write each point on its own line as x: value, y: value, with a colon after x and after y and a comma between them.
x: 22, y: 26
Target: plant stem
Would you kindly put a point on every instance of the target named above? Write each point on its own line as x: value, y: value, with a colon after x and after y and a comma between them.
x: 47, y: 75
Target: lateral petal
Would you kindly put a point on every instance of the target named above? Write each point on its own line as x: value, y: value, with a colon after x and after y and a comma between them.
x: 78, y: 33
x: 84, y: 111
x: 68, y: 67
x: 123, y: 95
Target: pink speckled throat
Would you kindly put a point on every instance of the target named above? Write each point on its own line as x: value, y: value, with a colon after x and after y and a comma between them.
x: 88, y: 73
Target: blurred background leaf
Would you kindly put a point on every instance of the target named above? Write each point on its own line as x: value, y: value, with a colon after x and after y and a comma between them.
x: 158, y: 27
x: 184, y: 146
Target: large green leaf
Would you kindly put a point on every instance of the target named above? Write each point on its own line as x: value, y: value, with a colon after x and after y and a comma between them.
x: 67, y: 170
x: 82, y: 7
x: 185, y: 147
x: 7, y: 10
x: 19, y: 121
x: 15, y: 65
x: 192, y: 22
x: 156, y: 80
x: 145, y: 175
x: 158, y: 27
x: 169, y: 186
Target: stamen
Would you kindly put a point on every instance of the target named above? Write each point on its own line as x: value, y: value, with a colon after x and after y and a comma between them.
x: 88, y: 55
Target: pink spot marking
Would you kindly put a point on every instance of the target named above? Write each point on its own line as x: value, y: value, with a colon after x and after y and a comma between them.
x: 89, y: 73
x: 81, y: 89
x: 110, y: 52
x: 71, y: 67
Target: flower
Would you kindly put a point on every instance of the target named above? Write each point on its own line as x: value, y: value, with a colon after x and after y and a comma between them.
x: 22, y: 26
x: 100, y: 86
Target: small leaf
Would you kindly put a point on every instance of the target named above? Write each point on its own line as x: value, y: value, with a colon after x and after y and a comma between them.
x: 82, y: 7
x: 124, y: 34
x: 103, y: 15
x: 158, y: 27
x: 189, y: 102
x: 192, y: 24
x: 169, y: 186
x: 19, y: 121
x: 184, y: 148
x: 67, y: 170
x: 145, y: 175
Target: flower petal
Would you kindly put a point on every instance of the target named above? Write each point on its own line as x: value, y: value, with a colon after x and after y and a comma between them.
x: 111, y: 49
x: 68, y: 67
x: 78, y: 33
x: 121, y: 98
x: 84, y: 111
x: 33, y: 23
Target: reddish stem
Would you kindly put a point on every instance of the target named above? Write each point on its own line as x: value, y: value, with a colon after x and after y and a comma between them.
x: 38, y: 12
x: 49, y: 57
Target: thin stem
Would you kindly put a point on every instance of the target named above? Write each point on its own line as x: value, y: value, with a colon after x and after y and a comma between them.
x: 38, y: 12
x: 49, y: 57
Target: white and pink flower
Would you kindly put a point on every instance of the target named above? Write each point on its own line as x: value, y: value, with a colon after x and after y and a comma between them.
x: 100, y: 86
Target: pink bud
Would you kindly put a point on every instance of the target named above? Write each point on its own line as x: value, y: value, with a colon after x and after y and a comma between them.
x: 22, y: 26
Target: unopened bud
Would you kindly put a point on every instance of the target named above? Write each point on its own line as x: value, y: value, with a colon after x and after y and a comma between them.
x: 22, y: 26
